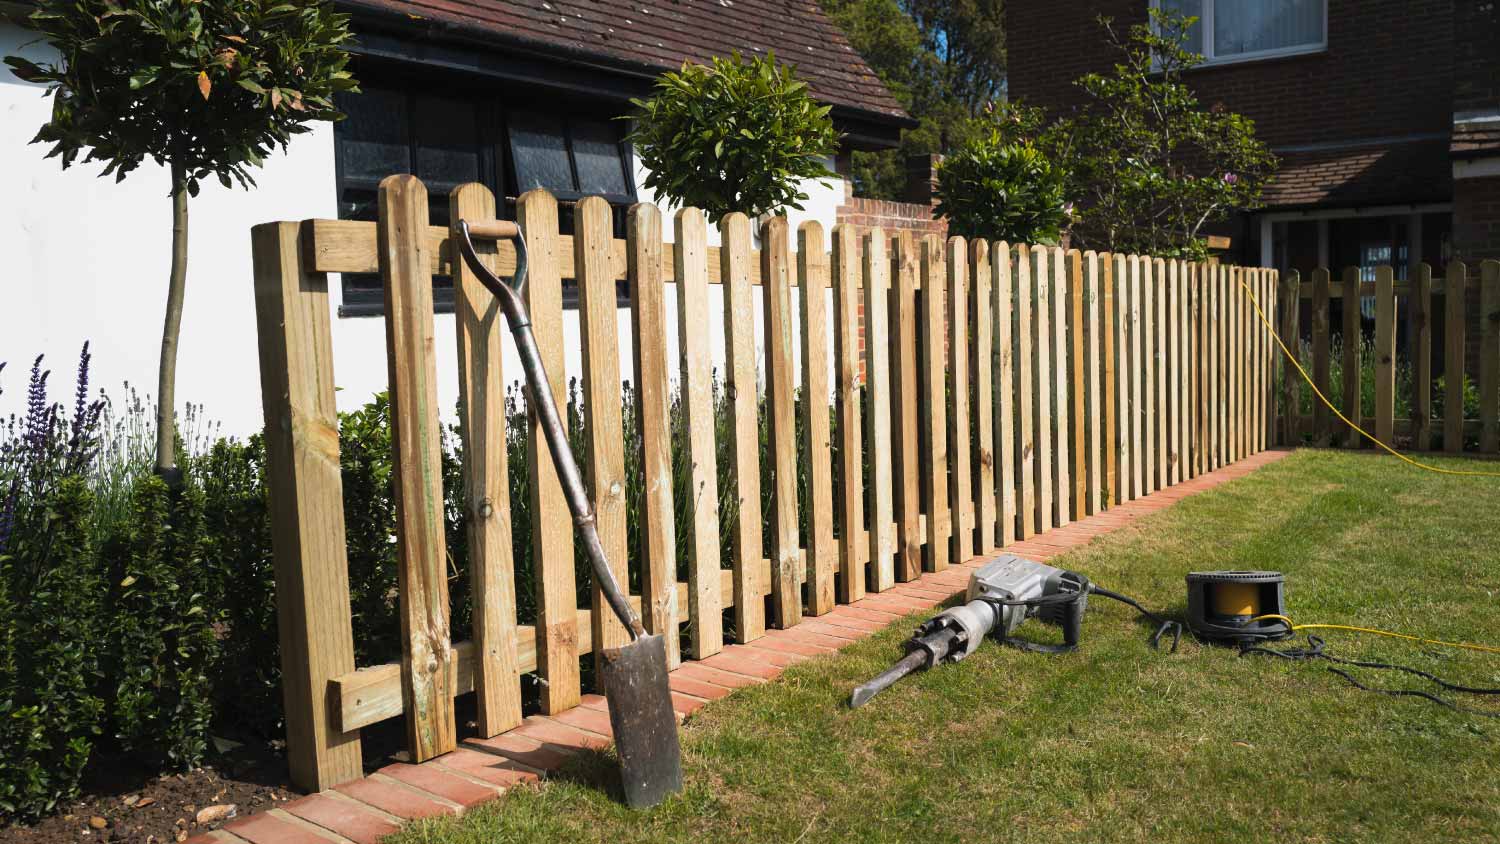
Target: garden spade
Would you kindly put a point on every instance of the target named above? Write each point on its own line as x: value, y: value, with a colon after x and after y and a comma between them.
x: 634, y: 676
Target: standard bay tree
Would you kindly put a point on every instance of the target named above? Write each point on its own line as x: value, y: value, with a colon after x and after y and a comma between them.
x: 205, y: 88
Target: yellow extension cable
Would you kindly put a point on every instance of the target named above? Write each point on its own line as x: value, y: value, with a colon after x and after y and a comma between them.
x: 1297, y: 627
x: 1292, y: 359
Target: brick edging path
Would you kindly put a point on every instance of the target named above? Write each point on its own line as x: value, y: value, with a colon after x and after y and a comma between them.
x: 365, y: 810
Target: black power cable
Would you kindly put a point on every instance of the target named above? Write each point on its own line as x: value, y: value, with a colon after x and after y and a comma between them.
x: 1163, y: 624
x: 1315, y: 650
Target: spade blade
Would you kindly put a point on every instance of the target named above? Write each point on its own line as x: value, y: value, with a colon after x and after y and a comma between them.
x: 641, y: 716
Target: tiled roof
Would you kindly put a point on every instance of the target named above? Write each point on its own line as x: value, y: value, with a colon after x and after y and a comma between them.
x: 665, y: 33
x: 1413, y: 171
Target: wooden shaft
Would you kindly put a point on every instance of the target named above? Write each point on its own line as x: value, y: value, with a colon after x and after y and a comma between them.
x: 493, y: 230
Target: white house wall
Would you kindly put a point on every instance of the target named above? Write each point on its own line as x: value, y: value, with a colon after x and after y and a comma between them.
x: 85, y: 258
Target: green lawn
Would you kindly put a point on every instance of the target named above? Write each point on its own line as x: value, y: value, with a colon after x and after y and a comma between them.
x: 1117, y: 742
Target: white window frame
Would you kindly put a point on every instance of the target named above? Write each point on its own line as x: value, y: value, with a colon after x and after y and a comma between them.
x: 1206, y: 26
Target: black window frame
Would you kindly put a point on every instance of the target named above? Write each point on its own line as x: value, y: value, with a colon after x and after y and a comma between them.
x: 494, y: 104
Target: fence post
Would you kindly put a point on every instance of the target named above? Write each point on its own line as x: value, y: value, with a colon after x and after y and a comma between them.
x: 935, y: 421
x: 598, y: 317
x: 1351, y: 335
x: 906, y: 388
x: 1454, y: 334
x: 877, y: 281
x: 1489, y: 356
x: 313, y: 616
x: 556, y: 594
x: 848, y: 270
x: 744, y: 410
x: 1291, y: 381
x: 479, y: 326
x: 812, y: 277
x: 1421, y: 334
x: 1385, y: 354
x: 648, y: 324
x: 705, y: 595
x: 1003, y: 283
x: 786, y: 588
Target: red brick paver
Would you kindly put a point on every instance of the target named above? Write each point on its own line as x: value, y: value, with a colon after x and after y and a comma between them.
x: 365, y: 810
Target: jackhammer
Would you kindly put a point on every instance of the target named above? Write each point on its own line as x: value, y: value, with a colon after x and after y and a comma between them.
x: 1001, y: 594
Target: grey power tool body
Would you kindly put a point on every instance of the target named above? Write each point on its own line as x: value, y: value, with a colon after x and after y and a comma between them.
x: 1001, y: 594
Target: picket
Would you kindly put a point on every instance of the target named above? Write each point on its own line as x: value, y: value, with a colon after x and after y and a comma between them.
x: 417, y: 473
x: 1077, y: 379
x: 1061, y: 460
x: 878, y: 395
x: 905, y: 392
x: 847, y: 275
x: 1026, y: 522
x: 1041, y: 379
x: 1095, y: 480
x: 934, y: 418
x: 812, y: 277
x: 744, y: 413
x: 1385, y: 355
x: 1122, y: 360
x: 786, y: 579
x: 960, y: 478
x: 648, y: 325
x: 479, y: 326
x: 1005, y: 388
x: 1109, y: 328
x: 605, y: 467
x: 983, y: 406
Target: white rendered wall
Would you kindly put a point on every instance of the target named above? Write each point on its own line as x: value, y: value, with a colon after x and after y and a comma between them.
x: 85, y: 258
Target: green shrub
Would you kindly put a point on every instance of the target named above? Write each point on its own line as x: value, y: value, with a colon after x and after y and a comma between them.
x: 1000, y: 189
x: 161, y: 627
x: 49, y: 587
x: 733, y: 135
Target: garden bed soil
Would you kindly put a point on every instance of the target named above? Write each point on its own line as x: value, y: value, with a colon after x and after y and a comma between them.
x: 123, y: 801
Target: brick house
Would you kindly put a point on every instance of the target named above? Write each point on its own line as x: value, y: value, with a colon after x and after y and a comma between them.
x: 1385, y: 115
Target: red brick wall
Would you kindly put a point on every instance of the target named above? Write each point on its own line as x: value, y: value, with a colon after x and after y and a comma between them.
x: 1388, y: 69
x: 891, y: 216
x: 1476, y: 219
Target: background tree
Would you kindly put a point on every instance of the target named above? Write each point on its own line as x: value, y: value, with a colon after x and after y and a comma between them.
x: 1148, y: 164
x: 206, y: 88
x: 733, y: 135
x: 943, y: 60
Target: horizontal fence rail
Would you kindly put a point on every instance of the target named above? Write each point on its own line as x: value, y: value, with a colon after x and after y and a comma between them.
x: 1379, y: 357
x: 946, y: 399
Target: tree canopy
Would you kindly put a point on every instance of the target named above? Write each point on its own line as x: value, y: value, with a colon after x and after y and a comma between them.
x: 944, y: 60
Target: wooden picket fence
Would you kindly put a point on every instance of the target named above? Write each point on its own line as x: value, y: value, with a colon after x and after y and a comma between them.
x: 1412, y: 302
x: 1007, y: 389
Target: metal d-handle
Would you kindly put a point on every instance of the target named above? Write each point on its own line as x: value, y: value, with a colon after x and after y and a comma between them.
x: 510, y: 293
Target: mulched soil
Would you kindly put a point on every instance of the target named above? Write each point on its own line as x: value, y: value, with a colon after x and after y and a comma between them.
x: 123, y: 802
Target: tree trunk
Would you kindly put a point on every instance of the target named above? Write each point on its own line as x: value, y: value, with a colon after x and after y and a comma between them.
x: 166, y: 402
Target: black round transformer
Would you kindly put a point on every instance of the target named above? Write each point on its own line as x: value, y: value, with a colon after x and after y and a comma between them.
x: 1227, y: 606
